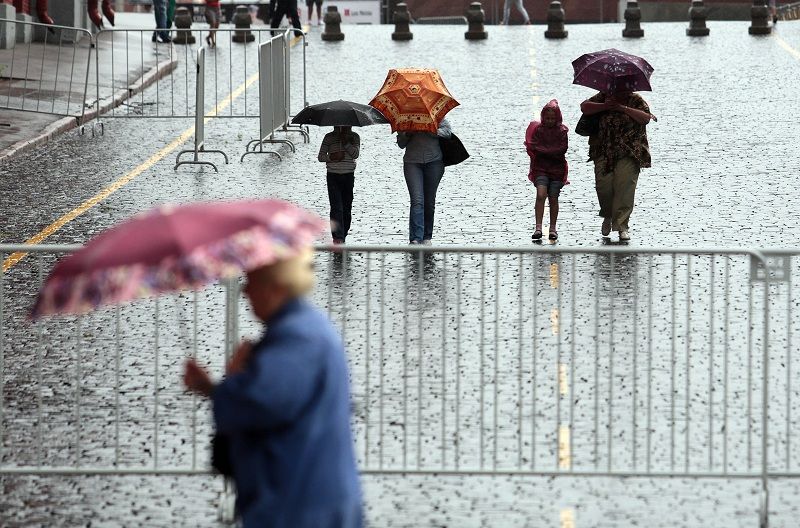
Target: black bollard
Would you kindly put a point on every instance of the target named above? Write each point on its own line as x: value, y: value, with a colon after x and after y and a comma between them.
x: 555, y: 21
x: 633, y: 17
x: 402, y: 18
x: 697, y: 20
x: 759, y: 16
x: 183, y: 21
x: 333, y: 25
x: 476, y: 18
x: 241, y: 20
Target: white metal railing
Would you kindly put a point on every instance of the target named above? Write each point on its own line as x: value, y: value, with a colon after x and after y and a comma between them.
x: 50, y: 76
x: 609, y: 361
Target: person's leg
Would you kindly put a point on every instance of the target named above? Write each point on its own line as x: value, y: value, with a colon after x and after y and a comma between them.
x: 521, y: 9
x: 209, y: 14
x: 603, y: 184
x: 626, y: 176
x: 160, y: 12
x: 319, y: 12
x: 293, y: 15
x: 347, y: 184
x: 170, y: 13
x: 541, y: 196
x: 506, y: 11
x: 217, y: 18
x: 433, y: 173
x: 277, y: 15
x: 414, y: 177
x: 310, y: 6
x: 337, y: 213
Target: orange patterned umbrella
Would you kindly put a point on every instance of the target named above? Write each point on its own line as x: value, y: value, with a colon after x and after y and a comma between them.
x: 414, y: 100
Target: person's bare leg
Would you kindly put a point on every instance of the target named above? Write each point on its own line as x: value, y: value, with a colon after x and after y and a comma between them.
x: 553, y: 212
x: 541, y: 196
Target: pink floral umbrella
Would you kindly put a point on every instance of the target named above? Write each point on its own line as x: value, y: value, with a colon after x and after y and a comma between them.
x: 172, y: 248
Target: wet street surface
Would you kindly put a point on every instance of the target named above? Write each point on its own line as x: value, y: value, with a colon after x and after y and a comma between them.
x: 625, y: 365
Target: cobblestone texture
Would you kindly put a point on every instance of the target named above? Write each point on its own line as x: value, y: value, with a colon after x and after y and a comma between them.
x: 723, y: 175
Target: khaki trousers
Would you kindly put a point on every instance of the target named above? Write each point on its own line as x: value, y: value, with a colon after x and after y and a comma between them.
x: 616, y: 191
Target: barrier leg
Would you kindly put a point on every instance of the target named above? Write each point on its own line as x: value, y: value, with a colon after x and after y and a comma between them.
x: 196, y: 158
x: 258, y: 148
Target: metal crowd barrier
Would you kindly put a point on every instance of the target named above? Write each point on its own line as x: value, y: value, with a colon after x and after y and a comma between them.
x: 788, y: 11
x: 581, y: 362
x: 233, y: 68
x: 50, y: 76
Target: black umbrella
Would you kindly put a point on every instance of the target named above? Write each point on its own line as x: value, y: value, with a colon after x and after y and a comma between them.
x: 339, y: 113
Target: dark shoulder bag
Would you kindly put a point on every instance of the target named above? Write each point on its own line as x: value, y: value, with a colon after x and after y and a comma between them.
x: 221, y: 455
x: 453, y: 151
x: 589, y: 125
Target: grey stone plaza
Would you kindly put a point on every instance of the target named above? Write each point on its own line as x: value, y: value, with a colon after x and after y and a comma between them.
x: 480, y: 381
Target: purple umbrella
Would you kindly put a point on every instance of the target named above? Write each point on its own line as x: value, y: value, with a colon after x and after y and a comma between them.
x: 611, y: 71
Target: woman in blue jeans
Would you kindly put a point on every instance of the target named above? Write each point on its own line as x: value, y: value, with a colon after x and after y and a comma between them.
x: 423, y: 168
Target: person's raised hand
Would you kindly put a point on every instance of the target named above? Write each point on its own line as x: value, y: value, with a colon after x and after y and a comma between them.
x: 240, y: 358
x: 197, y: 379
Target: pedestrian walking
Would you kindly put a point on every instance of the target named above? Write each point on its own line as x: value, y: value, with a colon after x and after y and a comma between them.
x: 287, y: 8
x: 520, y: 7
x: 423, y: 167
x: 619, y: 150
x: 339, y: 151
x: 546, y: 142
x: 283, y: 409
x: 310, y: 4
x: 213, y: 15
x: 161, y: 34
x: 615, y: 121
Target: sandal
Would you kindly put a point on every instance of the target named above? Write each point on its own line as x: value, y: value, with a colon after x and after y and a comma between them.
x: 553, y: 235
x: 537, y: 235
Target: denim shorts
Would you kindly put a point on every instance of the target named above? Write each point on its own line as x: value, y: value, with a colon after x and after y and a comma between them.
x: 553, y: 186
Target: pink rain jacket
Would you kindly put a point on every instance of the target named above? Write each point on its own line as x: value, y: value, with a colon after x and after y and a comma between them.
x: 547, y: 146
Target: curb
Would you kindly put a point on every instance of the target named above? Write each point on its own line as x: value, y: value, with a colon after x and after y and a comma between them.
x: 65, y: 124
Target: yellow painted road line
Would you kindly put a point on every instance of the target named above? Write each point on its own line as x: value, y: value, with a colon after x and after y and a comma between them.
x: 785, y: 45
x: 564, y: 455
x: 39, y: 237
x: 554, y: 321
x: 554, y: 279
x: 567, y: 518
x: 563, y: 384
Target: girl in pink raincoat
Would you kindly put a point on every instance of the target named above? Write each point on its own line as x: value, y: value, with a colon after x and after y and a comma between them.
x: 546, y: 142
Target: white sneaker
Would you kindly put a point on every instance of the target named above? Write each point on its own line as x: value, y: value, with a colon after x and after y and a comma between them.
x: 427, y: 242
x: 605, y: 230
x: 624, y: 235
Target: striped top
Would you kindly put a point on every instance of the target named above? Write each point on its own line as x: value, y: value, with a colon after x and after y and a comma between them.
x: 337, y: 142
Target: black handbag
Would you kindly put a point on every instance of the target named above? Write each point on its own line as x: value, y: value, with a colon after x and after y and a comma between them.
x: 221, y: 455
x: 453, y: 151
x: 589, y: 125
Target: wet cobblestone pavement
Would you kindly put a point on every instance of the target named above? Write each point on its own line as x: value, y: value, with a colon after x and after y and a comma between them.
x: 723, y: 175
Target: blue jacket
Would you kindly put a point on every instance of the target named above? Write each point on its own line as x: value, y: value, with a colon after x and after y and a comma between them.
x: 288, y: 419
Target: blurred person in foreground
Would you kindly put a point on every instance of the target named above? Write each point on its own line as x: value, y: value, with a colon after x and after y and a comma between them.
x: 284, y: 407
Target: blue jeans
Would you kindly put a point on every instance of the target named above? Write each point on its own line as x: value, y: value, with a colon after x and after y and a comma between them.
x: 160, y: 10
x: 422, y: 180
